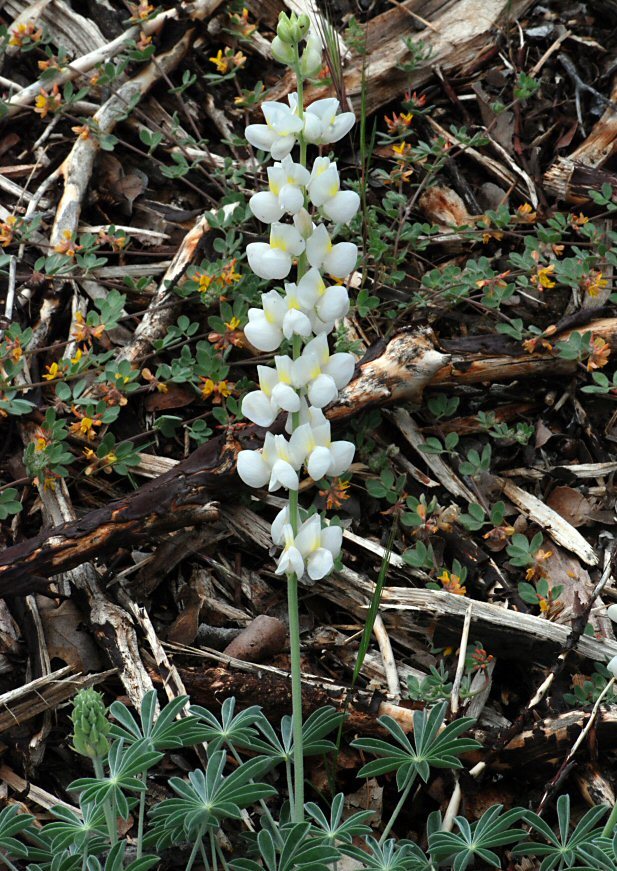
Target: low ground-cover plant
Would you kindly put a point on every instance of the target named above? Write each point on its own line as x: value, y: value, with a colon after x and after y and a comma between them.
x: 200, y: 821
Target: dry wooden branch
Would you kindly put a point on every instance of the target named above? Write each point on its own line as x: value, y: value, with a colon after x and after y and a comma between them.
x: 43, y: 694
x: 172, y: 501
x: 197, y: 11
x: 77, y: 168
x: 571, y: 178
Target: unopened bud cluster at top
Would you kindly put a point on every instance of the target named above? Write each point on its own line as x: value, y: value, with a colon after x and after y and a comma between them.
x: 303, y: 312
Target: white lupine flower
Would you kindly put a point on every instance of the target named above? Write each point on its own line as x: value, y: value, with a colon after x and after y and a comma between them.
x: 290, y: 561
x: 337, y: 260
x: 343, y: 207
x: 323, y: 305
x: 280, y: 521
x: 333, y: 305
x: 264, y: 330
x: 283, y: 393
x: 312, y: 122
x: 286, y: 180
x: 324, y: 182
x: 275, y: 394
x: 303, y: 223
x: 611, y: 665
x: 278, y: 135
x: 323, y: 456
x: 324, y: 192
x: 332, y: 127
x: 275, y: 465
x: 318, y: 546
x: 321, y: 373
x: 273, y: 260
x: 611, y: 612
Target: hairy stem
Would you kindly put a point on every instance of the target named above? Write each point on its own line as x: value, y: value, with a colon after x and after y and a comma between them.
x: 108, y: 809
x: 399, y: 807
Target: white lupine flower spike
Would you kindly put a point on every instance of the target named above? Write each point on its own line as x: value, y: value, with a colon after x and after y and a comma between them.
x: 304, y: 210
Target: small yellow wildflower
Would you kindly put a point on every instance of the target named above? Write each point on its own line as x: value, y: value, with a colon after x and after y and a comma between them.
x: 538, y: 570
x: 220, y: 61
x: 68, y: 245
x: 53, y: 371
x: 543, y: 278
x: 526, y: 213
x: 398, y: 123
x: 140, y: 11
x: 84, y: 426
x: 153, y: 382
x: 452, y: 583
x: 240, y: 23
x: 594, y: 283
x: 7, y: 230
x: 218, y: 390
x: 600, y: 352
x: 83, y: 132
x: 335, y: 494
x: 46, y: 103
x: 26, y: 32
x: 229, y: 274
x: 233, y: 324
x: 401, y: 149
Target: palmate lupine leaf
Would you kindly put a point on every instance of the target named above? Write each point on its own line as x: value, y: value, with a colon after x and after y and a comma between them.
x: 206, y: 798
x: 298, y: 849
x: 232, y: 729
x: 562, y: 849
x: 14, y: 822
x: 426, y: 748
x: 73, y: 829
x: 335, y: 828
x: 124, y: 765
x: 164, y: 732
x: 475, y: 842
x: 314, y: 730
x: 392, y: 855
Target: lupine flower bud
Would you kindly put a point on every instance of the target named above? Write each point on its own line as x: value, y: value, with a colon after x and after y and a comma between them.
x: 283, y: 28
x: 282, y: 51
x: 300, y: 26
x: 90, y: 724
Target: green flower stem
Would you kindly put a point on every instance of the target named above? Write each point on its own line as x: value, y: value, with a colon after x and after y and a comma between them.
x: 221, y: 857
x: 396, y: 811
x: 262, y: 803
x: 108, y: 808
x: 296, y: 697
x: 196, y: 847
x: 214, y: 863
x: 8, y: 863
x: 140, y: 819
x: 607, y: 831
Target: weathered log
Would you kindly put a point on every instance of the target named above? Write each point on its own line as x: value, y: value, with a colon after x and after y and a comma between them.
x: 179, y: 498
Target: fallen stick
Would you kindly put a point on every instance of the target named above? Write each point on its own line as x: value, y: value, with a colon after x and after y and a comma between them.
x: 571, y: 178
x: 197, y: 12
